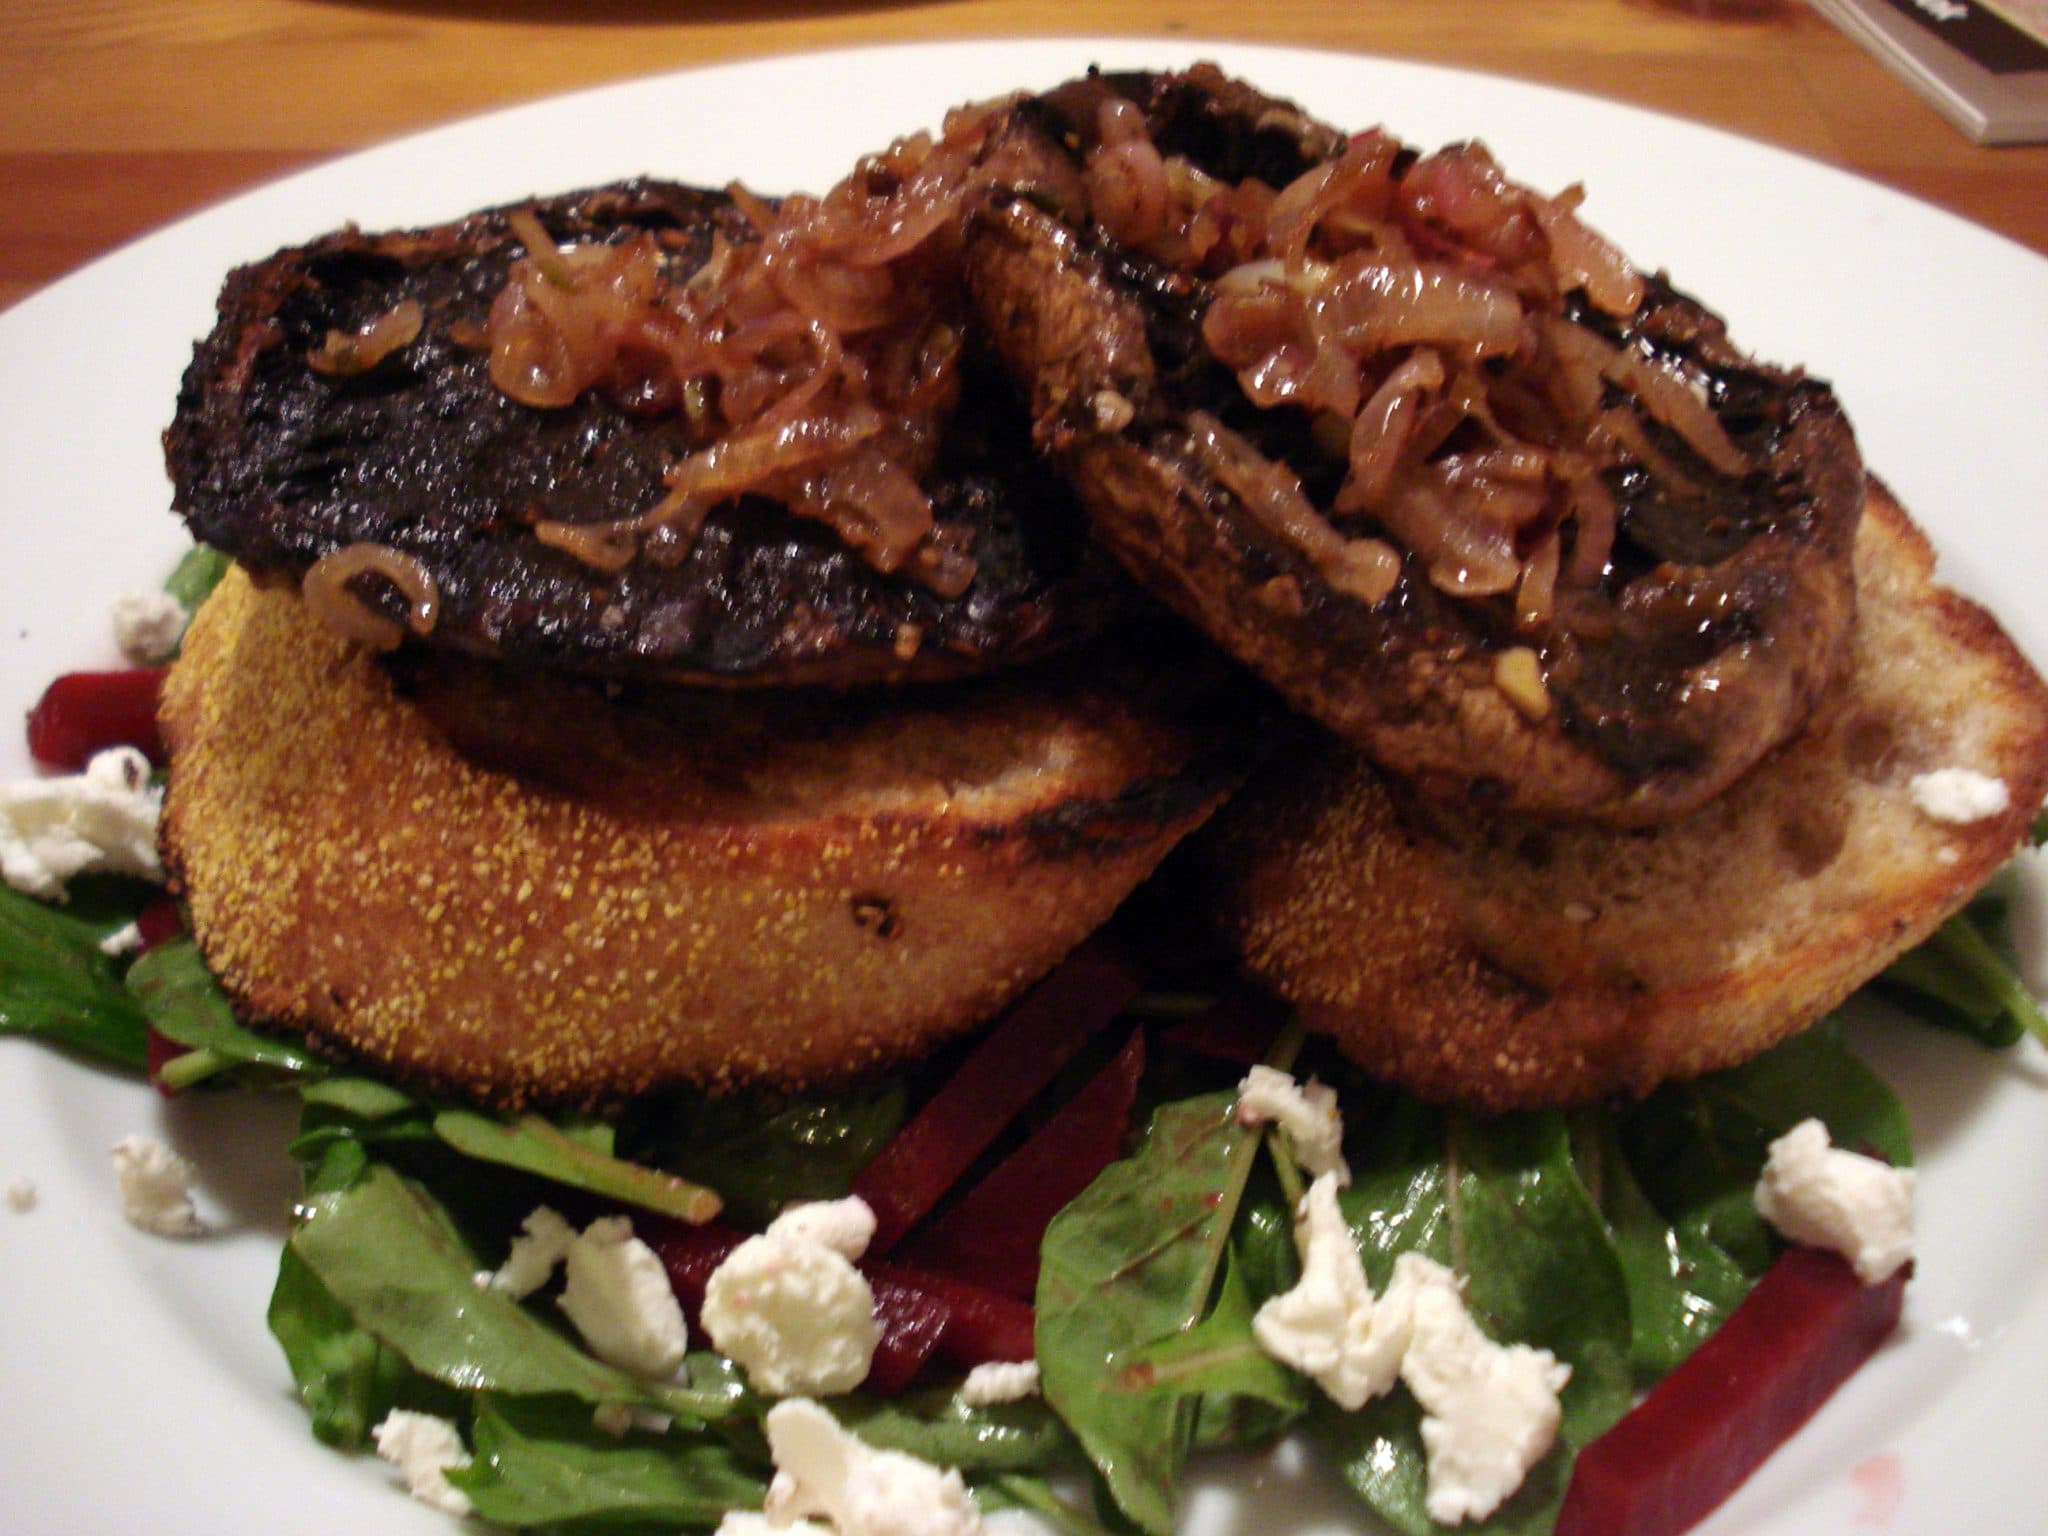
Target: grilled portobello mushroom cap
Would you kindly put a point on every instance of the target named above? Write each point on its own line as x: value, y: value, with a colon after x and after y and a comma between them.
x: 1669, y: 522
x: 281, y: 463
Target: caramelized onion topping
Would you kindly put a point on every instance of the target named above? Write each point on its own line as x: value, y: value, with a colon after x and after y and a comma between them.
x: 817, y: 364
x: 1418, y: 316
x: 346, y: 354
x: 329, y: 591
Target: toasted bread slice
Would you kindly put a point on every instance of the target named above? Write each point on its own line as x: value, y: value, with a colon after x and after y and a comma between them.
x: 1503, y: 963
x: 700, y: 887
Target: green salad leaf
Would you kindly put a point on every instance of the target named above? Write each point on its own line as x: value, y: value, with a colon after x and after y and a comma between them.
x: 187, y: 1006
x: 57, y: 984
x: 195, y: 576
x: 542, y: 1462
x: 536, y: 1145
x: 392, y: 1260
x: 1129, y: 1265
x: 1501, y: 1202
x: 1966, y: 977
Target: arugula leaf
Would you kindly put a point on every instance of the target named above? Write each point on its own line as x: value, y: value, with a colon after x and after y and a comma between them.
x: 1130, y: 1263
x: 395, y: 1264
x: 540, y: 1461
x: 535, y: 1145
x: 1501, y: 1202
x: 184, y: 1004
x: 56, y: 983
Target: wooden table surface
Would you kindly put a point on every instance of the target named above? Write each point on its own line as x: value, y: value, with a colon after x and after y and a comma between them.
x: 116, y: 115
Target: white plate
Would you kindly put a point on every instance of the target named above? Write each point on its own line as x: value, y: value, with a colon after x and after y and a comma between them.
x: 141, y: 1391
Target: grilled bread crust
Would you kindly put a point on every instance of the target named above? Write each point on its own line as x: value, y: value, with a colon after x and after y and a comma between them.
x: 615, y: 894
x: 1506, y: 964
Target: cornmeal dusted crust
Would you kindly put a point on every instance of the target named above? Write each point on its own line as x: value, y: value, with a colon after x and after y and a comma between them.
x: 1506, y: 964
x: 804, y: 894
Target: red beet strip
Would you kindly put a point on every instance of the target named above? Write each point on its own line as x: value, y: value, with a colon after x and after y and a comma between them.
x: 82, y: 713
x: 923, y: 1317
x: 990, y: 1237
x: 1022, y: 1053
x: 1800, y: 1334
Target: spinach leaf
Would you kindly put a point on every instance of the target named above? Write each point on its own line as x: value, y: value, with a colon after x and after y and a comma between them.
x: 185, y: 1005
x: 1501, y: 1202
x: 395, y: 1264
x: 763, y: 1154
x: 540, y: 1461
x: 1032, y: 1494
x: 537, y: 1146
x: 347, y: 1380
x: 1681, y: 1284
x: 195, y: 576
x: 1697, y: 1147
x: 57, y: 984
x: 1023, y: 1437
x: 1966, y: 977
x: 1131, y: 1263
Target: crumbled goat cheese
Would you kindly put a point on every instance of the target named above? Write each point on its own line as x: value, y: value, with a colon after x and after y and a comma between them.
x: 999, y: 1381
x: 543, y: 1242
x: 748, y: 1522
x: 156, y: 1187
x: 1824, y: 1197
x: 1308, y: 1116
x: 148, y: 626
x: 616, y: 1419
x: 21, y: 1196
x: 618, y: 1296
x: 1490, y: 1411
x: 822, y: 1471
x: 124, y: 940
x: 425, y: 1449
x: 102, y: 820
x: 1958, y: 796
x: 845, y: 1226
x: 795, y: 1314
x: 1329, y: 1327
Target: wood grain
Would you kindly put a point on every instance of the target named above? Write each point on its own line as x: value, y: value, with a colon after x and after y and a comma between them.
x: 117, y: 115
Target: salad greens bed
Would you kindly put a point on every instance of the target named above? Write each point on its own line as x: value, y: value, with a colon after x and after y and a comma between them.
x: 1618, y: 1239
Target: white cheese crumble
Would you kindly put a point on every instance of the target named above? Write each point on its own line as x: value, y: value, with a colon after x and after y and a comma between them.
x: 1958, y: 796
x: 845, y: 1226
x: 148, y: 626
x: 822, y: 1471
x: 425, y: 1449
x: 1329, y: 1327
x: 21, y: 1196
x: 1819, y: 1195
x: 616, y: 1419
x: 125, y: 940
x: 795, y: 1314
x: 1307, y: 1114
x: 100, y: 821
x: 156, y: 1187
x: 1490, y: 1411
x: 999, y: 1381
x: 618, y: 1296
x: 543, y: 1242
x: 749, y: 1522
